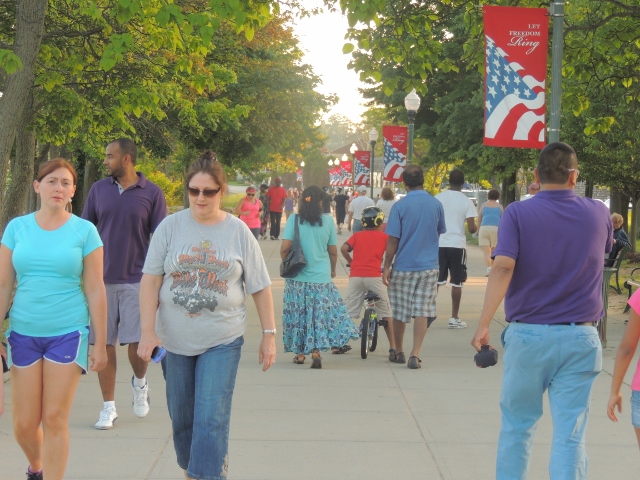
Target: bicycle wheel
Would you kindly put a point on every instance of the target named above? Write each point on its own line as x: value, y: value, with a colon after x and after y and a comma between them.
x: 374, y: 337
x: 364, y: 339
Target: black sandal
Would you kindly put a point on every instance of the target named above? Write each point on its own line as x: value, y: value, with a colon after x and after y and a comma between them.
x: 297, y: 360
x: 340, y: 350
x: 316, y: 359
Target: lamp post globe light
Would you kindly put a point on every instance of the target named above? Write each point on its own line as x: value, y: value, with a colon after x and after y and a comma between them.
x: 373, y: 138
x: 411, y: 103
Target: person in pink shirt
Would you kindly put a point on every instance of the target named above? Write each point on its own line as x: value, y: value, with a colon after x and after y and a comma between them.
x: 626, y: 350
x: 249, y: 210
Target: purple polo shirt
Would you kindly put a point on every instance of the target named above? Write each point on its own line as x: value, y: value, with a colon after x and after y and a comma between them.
x: 125, y: 223
x: 558, y: 241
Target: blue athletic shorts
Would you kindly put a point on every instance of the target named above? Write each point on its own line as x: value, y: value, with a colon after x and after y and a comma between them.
x: 635, y: 408
x: 24, y: 351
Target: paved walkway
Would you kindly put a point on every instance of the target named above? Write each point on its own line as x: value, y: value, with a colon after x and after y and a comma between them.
x: 353, y: 419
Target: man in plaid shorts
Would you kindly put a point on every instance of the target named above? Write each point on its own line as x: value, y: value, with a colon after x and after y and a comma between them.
x: 415, y: 225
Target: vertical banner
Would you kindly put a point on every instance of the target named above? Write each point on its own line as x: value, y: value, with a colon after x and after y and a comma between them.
x: 362, y: 167
x: 516, y: 41
x: 347, y: 170
x: 395, y: 152
x: 333, y: 175
x: 298, y: 175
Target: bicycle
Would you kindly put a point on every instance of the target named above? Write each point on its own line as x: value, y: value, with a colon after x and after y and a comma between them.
x: 370, y: 324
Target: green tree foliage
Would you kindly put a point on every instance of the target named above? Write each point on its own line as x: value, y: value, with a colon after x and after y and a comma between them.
x: 277, y: 90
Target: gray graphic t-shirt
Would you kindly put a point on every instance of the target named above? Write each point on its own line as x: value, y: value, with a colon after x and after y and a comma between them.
x: 206, y: 270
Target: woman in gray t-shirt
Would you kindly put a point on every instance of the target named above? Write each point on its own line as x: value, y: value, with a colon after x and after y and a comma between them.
x: 200, y: 262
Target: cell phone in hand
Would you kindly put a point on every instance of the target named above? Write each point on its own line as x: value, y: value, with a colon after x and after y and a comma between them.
x: 5, y: 367
x: 158, y: 354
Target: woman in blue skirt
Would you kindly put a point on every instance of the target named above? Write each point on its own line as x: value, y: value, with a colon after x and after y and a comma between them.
x: 314, y: 316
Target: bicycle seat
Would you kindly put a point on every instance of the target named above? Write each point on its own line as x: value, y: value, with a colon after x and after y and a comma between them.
x: 371, y: 296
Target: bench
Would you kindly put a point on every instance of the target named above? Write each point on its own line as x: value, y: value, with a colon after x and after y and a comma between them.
x: 606, y: 280
x: 616, y: 268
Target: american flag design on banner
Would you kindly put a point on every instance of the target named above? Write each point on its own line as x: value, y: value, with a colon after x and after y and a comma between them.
x: 515, y: 76
x: 362, y: 162
x: 395, y: 152
x: 298, y: 175
x: 334, y: 176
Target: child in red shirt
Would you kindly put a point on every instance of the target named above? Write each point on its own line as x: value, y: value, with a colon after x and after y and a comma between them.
x: 368, y: 247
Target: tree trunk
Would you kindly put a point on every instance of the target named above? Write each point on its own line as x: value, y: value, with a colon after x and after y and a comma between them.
x: 508, y: 193
x: 15, y: 200
x: 32, y: 202
x: 588, y: 189
x: 29, y: 28
x: 91, y: 168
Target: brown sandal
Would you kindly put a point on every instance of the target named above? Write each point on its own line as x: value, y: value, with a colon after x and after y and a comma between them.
x: 297, y: 360
x: 316, y: 359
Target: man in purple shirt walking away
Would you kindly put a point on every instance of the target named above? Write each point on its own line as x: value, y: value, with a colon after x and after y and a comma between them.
x: 548, y: 268
x: 126, y: 208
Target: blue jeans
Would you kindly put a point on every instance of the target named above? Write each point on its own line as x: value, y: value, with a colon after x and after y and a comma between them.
x: 357, y: 226
x: 199, y: 393
x: 564, y: 359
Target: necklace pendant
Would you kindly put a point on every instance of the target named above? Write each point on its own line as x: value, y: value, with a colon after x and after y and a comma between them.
x: 205, y: 244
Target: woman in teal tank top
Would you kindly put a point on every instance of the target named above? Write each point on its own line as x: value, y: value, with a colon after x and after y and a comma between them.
x: 489, y: 219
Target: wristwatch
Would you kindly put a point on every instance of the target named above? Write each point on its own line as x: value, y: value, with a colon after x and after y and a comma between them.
x: 269, y: 331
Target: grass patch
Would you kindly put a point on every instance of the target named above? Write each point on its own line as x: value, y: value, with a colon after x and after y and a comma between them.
x: 230, y: 201
x: 3, y: 329
x: 471, y: 240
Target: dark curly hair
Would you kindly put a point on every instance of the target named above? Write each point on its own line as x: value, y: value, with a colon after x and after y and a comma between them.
x: 310, y: 210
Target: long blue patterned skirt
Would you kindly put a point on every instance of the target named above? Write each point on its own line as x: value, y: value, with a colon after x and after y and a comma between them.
x: 314, y: 316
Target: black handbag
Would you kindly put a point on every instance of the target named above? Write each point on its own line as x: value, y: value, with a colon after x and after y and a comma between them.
x: 293, y: 263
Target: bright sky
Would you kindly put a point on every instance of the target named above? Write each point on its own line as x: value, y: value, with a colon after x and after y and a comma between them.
x: 321, y: 39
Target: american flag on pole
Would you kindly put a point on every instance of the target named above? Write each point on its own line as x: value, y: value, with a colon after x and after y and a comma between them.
x: 515, y: 76
x: 362, y: 163
x: 395, y: 152
x: 298, y: 175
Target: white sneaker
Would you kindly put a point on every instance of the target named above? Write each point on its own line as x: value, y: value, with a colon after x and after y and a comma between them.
x: 140, y: 400
x: 488, y: 271
x: 108, y: 417
x: 456, y: 323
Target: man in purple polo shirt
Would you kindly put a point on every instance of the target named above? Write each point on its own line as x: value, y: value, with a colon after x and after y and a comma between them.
x: 126, y: 208
x: 548, y: 263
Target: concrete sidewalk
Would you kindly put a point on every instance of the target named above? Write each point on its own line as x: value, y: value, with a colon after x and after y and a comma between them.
x: 353, y: 419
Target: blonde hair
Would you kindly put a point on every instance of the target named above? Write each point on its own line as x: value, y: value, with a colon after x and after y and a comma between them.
x: 616, y: 217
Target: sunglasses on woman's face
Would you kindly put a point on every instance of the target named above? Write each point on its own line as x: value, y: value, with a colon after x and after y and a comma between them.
x: 207, y: 192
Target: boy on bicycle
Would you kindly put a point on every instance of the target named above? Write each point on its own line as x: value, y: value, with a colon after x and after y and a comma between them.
x: 368, y: 247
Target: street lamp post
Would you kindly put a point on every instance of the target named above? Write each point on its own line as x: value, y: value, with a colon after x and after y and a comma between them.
x: 411, y: 103
x: 302, y: 176
x: 373, y: 138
